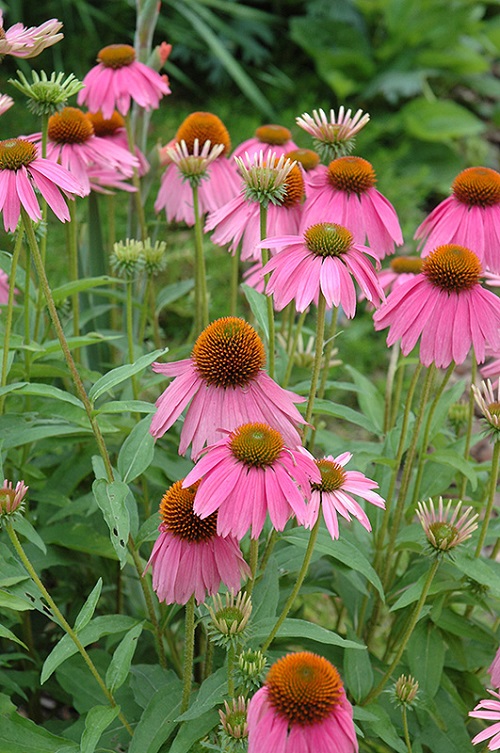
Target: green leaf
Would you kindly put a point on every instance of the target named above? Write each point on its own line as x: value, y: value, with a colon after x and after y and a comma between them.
x: 66, y: 290
x: 13, y: 602
x: 425, y: 655
x: 20, y: 735
x: 87, y: 611
x: 42, y: 390
x: 192, y: 731
x: 149, y: 530
x: 413, y: 592
x: 116, y: 376
x: 358, y: 672
x: 24, y: 527
x: 105, y: 625
x: 110, y: 496
x: 172, y: 293
x: 457, y: 461
x: 328, y: 408
x: 97, y: 720
x: 292, y: 628
x: 137, y: 451
x: 370, y: 400
x: 484, y: 571
x: 211, y: 693
x: 384, y: 728
x: 146, y: 679
x: 126, y: 406
x: 119, y: 667
x: 440, y: 120
x: 258, y: 303
x: 6, y: 633
x: 157, y: 722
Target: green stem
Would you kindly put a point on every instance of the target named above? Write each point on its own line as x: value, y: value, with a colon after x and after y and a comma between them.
x: 298, y: 583
x: 427, y: 431
x: 397, y: 394
x: 491, y: 498
x: 254, y: 561
x: 188, y: 655
x: 391, y: 373
x: 129, y: 306
x: 27, y: 311
x: 235, y: 281
x: 10, y: 312
x: 144, y: 310
x: 72, y: 238
x: 63, y: 622
x: 329, y: 343
x: 293, y: 349
x: 407, y: 635
x: 269, y: 298
x: 470, y: 418
x: 200, y: 277
x: 230, y: 670
x: 271, y: 543
x: 318, y: 356
x: 405, y: 728
x: 149, y: 601
x: 136, y: 181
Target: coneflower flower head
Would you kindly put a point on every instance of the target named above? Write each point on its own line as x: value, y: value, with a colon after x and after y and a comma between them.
x: 234, y: 725
x: 12, y: 499
x: 28, y: 42
x: 489, y: 405
x: 333, y: 135
x: 251, y: 669
x: 446, y: 527
x: 127, y: 258
x: 404, y: 691
x: 229, y: 617
x: 155, y: 257
x: 6, y: 103
x: 47, y: 95
x: 193, y: 165
x: 489, y: 710
x: 265, y: 177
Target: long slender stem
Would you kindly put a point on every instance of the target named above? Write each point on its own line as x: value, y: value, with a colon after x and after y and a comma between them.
x: 254, y: 561
x: 491, y: 498
x: 10, y: 312
x: 329, y: 343
x: 407, y: 634
x: 188, y: 655
x: 470, y: 418
x: 293, y: 348
x: 201, y: 295
x: 318, y: 356
x: 389, y: 384
x: 270, y: 304
x: 149, y: 601
x: 63, y: 622
x: 235, y: 280
x: 230, y: 670
x: 136, y: 181
x: 72, y: 236
x: 298, y: 583
x: 406, y: 731
x: 129, y: 307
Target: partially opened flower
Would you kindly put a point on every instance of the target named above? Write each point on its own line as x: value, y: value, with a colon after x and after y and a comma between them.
x: 334, y: 493
x: 325, y: 259
x: 446, y: 305
x: 28, y: 42
x: 73, y: 144
x: 489, y: 405
x: 272, y: 135
x: 6, y: 103
x: 118, y: 79
x: 302, y: 708
x: 469, y: 217
x: 278, y: 184
x: 206, y: 147
x: 249, y: 473
x: 446, y: 527
x: 188, y: 556
x: 234, y: 724
x: 494, y: 670
x: 345, y: 193
x: 12, y: 498
x: 225, y: 384
x: 46, y: 95
x: 21, y: 172
x: 333, y: 136
x: 489, y: 710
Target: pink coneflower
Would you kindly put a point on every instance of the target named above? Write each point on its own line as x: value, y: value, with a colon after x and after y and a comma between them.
x: 226, y: 384
x: 239, y: 220
x: 334, y: 494
x: 489, y: 710
x: 494, y: 670
x: 6, y: 103
x: 489, y: 405
x: 23, y: 42
x: 447, y: 306
x: 21, y: 171
x: 344, y: 192
x: 309, y: 161
x: 118, y: 79
x: 251, y: 472
x: 113, y: 129
x: 302, y: 708
x: 188, y: 556
x: 470, y: 217
x: 446, y: 527
x: 73, y: 144
x: 220, y: 182
x: 400, y: 270
x: 333, y: 136
x: 12, y: 499
x: 324, y: 259
x: 273, y: 136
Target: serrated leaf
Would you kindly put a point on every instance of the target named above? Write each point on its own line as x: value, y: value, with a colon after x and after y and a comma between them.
x: 97, y: 720
x: 116, y: 376
x: 87, y: 611
x: 110, y: 496
x: 136, y: 452
x: 119, y: 667
x: 99, y: 626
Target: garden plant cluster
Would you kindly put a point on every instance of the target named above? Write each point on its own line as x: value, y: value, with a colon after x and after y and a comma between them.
x: 216, y: 532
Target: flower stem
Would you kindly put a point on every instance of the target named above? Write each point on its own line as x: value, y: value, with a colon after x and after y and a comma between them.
x: 406, y: 636
x: 10, y: 312
x: 254, y: 561
x: 72, y: 231
x: 200, y: 277
x: 318, y: 356
x: 63, y: 622
x: 235, y: 279
x: 293, y: 349
x: 129, y: 305
x: 329, y: 343
x: 406, y: 732
x: 136, y: 181
x: 298, y: 583
x: 391, y: 373
x: 188, y: 655
x: 491, y: 498
x: 270, y: 305
x: 468, y: 433
x: 230, y: 670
